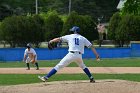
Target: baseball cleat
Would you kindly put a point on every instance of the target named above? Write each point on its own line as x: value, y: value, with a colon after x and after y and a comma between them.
x: 28, y: 69
x: 92, y: 80
x: 42, y: 78
x: 37, y: 68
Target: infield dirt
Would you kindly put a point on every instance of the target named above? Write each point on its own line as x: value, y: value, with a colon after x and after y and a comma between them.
x: 101, y: 86
x: 72, y: 70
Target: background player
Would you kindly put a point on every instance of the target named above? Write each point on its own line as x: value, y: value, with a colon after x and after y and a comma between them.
x: 76, y: 44
x: 30, y: 56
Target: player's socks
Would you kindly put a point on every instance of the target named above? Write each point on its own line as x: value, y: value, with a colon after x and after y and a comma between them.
x: 86, y: 70
x: 28, y: 66
x: 37, y: 67
x: 52, y: 72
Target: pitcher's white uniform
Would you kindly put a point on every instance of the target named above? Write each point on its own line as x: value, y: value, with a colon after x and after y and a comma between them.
x: 30, y: 53
x: 76, y: 44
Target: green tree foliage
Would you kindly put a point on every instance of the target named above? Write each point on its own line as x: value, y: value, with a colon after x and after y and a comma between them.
x: 113, y: 24
x: 131, y: 7
x: 5, y: 11
x: 12, y: 7
x: 86, y: 24
x: 53, y: 25
x: 27, y: 6
x: 19, y: 30
x: 134, y: 28
x: 124, y: 29
x: 35, y: 30
x: 0, y: 33
x: 72, y: 20
x: 129, y: 28
x: 122, y: 33
x: 10, y: 29
x: 94, y: 8
x: 60, y: 6
x: 89, y: 28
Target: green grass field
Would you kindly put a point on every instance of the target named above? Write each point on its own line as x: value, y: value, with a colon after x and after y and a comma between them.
x: 13, y: 79
x: 125, y: 62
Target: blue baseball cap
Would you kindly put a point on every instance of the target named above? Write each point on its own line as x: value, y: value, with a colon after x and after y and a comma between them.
x: 75, y: 29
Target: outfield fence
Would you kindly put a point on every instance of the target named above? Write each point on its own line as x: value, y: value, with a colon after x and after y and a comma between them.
x: 16, y: 54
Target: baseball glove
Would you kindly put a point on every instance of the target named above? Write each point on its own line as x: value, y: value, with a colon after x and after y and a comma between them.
x: 52, y: 45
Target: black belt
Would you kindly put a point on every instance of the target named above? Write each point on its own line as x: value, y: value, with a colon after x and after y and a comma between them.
x: 75, y: 52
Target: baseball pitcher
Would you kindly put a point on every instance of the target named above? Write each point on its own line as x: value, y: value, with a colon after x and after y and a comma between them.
x: 76, y: 44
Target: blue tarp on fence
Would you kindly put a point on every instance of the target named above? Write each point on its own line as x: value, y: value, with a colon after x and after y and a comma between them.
x: 135, y: 50
x: 16, y: 54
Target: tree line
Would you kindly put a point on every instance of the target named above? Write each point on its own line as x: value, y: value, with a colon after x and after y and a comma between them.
x: 19, y: 24
x: 94, y: 8
x: 124, y: 26
x: 20, y: 30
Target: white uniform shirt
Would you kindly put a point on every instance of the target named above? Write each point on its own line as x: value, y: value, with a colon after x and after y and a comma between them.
x: 30, y: 53
x: 76, y: 42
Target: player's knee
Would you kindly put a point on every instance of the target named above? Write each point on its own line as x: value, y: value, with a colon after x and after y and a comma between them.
x: 27, y: 61
x: 83, y: 66
x: 58, y: 67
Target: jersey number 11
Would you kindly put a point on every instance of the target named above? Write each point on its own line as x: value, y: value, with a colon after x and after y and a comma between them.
x: 76, y: 41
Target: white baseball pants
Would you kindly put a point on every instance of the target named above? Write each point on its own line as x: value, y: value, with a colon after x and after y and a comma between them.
x: 28, y: 60
x: 70, y: 57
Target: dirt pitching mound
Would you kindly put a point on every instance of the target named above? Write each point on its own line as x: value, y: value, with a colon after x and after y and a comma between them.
x: 101, y: 86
